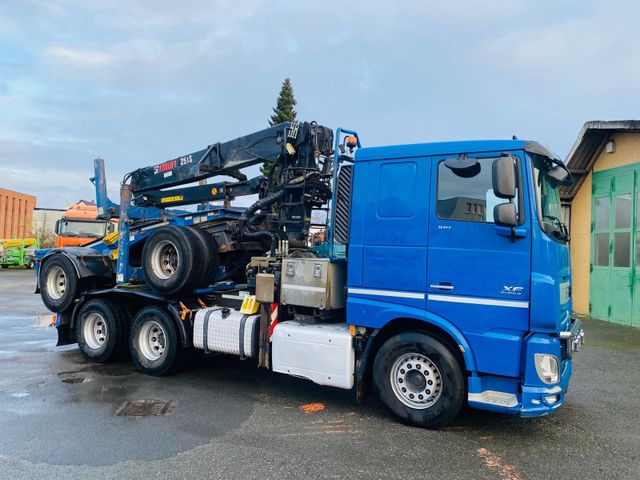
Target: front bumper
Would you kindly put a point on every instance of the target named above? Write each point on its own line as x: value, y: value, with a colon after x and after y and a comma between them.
x: 530, y: 398
x: 572, y: 340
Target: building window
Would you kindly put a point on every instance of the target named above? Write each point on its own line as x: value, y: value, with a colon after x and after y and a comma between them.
x: 601, y: 244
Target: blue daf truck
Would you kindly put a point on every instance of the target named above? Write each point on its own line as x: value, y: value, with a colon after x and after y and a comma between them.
x: 443, y: 277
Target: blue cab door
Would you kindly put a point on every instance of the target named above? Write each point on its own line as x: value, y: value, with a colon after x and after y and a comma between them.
x: 478, y: 276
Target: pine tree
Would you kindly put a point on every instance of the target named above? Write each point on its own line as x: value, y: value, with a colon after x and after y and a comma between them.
x: 282, y: 112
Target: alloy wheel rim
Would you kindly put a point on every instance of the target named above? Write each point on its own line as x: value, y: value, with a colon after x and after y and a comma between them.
x: 416, y: 381
x: 95, y: 331
x: 165, y: 260
x: 56, y: 282
x: 152, y: 340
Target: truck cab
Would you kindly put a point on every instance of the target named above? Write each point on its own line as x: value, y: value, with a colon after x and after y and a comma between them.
x: 79, y: 225
x: 434, y: 246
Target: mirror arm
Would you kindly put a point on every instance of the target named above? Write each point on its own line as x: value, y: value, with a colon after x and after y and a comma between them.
x: 513, y: 229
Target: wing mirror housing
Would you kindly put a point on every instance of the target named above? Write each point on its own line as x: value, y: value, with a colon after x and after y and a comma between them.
x: 559, y: 175
x: 504, y: 177
x: 505, y: 215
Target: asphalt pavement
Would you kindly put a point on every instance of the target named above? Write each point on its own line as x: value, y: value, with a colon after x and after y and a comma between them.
x: 64, y: 418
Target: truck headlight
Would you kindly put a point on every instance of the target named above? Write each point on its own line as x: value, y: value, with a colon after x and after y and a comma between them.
x: 547, y: 367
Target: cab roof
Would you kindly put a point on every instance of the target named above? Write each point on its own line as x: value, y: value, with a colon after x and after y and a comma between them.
x: 449, y: 148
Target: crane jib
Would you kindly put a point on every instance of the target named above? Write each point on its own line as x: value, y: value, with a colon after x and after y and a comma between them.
x: 252, y: 149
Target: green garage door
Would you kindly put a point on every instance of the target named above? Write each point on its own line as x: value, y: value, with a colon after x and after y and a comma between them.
x: 615, y: 246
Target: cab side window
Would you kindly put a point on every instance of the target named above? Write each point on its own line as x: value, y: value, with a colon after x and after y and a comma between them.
x: 469, y: 199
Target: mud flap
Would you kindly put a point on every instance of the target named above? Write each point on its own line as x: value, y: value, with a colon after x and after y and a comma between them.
x: 66, y: 335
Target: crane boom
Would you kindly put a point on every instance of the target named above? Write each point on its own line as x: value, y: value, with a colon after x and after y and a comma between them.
x: 270, y: 144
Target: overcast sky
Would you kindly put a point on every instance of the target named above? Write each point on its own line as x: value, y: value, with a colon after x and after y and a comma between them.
x: 139, y: 82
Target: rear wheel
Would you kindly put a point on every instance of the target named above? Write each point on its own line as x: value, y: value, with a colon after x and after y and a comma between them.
x: 419, y: 379
x: 59, y: 283
x: 208, y: 248
x: 153, y: 342
x: 169, y: 260
x: 101, y: 331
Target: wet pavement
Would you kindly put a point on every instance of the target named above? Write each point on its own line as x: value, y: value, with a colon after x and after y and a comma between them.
x: 61, y: 417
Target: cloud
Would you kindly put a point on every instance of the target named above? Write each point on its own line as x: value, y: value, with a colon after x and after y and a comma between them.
x: 590, y: 54
x: 141, y: 82
x: 53, y: 187
x: 79, y: 58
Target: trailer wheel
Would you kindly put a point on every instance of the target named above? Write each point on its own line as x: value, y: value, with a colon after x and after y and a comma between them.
x: 419, y: 379
x: 153, y: 342
x: 101, y: 331
x: 208, y: 247
x: 169, y: 260
x: 31, y: 264
x: 59, y: 283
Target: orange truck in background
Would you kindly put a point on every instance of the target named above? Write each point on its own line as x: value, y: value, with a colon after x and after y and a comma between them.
x: 79, y: 226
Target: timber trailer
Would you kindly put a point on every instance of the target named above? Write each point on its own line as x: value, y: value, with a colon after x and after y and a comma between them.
x: 443, y: 277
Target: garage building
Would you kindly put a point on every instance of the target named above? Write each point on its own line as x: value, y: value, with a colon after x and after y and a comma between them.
x: 604, y: 204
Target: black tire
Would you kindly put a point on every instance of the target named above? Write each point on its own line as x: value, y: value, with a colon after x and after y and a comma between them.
x: 190, y: 357
x: 154, y: 323
x: 31, y: 264
x: 101, y: 331
x: 170, y: 274
x: 55, y: 272
x: 208, y: 248
x: 4, y: 266
x: 417, y: 359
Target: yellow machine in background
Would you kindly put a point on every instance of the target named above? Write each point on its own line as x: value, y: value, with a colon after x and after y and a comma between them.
x: 18, y: 252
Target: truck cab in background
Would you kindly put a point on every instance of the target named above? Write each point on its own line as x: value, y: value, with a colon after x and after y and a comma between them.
x: 79, y: 225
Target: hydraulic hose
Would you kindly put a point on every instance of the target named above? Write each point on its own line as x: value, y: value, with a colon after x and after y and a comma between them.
x: 259, y: 205
x: 249, y: 213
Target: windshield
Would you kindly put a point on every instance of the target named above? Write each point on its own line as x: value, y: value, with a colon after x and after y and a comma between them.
x: 76, y: 228
x: 548, y: 200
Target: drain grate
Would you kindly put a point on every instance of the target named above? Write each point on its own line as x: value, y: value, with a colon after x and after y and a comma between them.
x: 145, y: 408
x: 74, y: 377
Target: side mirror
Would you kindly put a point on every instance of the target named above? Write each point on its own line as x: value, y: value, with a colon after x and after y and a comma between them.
x: 504, y: 177
x: 505, y: 215
x: 57, y: 230
x: 559, y: 176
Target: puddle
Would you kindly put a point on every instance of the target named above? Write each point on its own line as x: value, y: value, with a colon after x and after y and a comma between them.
x: 111, y: 370
x: 145, y: 408
x: 19, y: 394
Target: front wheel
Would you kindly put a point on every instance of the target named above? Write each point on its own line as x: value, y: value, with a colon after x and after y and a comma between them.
x: 419, y: 379
x: 153, y: 342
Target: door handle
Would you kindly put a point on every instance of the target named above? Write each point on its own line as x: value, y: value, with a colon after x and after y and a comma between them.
x: 443, y: 286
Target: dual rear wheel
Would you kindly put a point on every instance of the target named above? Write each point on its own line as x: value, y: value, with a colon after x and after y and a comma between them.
x: 101, y: 328
x: 178, y: 260
x: 104, y: 334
